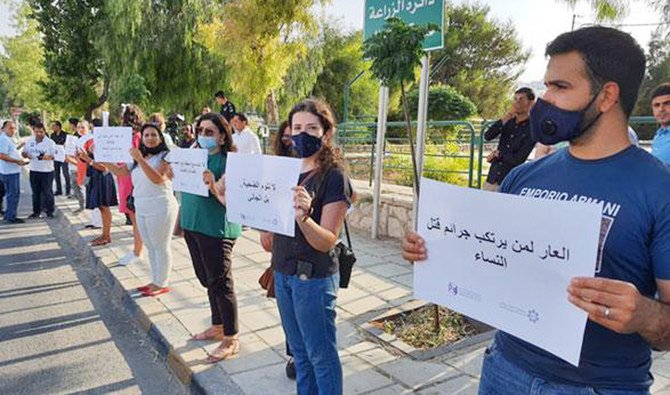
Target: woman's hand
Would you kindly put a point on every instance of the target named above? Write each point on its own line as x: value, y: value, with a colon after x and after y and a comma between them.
x: 208, y: 179
x: 83, y: 155
x: 166, y: 170
x: 220, y: 186
x: 136, y: 154
x: 267, y: 238
x: 302, y: 202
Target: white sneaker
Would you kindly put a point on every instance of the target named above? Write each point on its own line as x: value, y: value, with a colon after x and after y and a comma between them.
x: 129, y: 258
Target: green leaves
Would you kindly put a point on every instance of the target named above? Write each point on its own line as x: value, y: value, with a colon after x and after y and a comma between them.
x: 396, y: 50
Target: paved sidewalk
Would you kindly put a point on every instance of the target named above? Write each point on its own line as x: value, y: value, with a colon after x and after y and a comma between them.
x: 381, y: 280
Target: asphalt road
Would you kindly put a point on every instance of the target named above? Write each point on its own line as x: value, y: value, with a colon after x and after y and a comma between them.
x: 60, y: 331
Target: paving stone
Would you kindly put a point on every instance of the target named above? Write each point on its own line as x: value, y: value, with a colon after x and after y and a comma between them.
x: 459, y: 385
x: 254, y: 353
x: 372, y: 353
x: 389, y: 270
x: 406, y: 280
x: 364, y: 305
x: 360, y: 377
x: 393, y: 389
x: 469, y: 363
x: 417, y: 374
x: 269, y: 380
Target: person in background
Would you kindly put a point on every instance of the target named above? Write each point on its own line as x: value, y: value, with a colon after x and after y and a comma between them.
x: 155, y: 204
x: 78, y: 167
x: 227, y: 107
x: 100, y: 191
x: 210, y: 238
x: 133, y: 117
x: 10, y: 172
x: 59, y: 137
x: 41, y: 150
x: 188, y: 138
x: 515, y: 142
x: 245, y: 140
x: 73, y: 122
x: 660, y: 107
x: 158, y: 119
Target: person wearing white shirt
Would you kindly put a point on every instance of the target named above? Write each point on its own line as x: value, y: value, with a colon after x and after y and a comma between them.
x: 10, y: 171
x: 41, y: 150
x: 245, y: 140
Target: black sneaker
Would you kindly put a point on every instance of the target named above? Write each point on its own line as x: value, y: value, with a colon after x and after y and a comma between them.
x: 58, y: 193
x: 290, y: 369
x: 50, y: 215
x: 34, y: 216
x: 15, y: 221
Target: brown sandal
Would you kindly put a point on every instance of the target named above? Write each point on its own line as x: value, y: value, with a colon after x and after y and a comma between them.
x: 228, y: 347
x: 209, y: 334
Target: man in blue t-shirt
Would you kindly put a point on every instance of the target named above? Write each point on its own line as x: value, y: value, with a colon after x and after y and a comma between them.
x: 592, y: 80
x: 660, y: 106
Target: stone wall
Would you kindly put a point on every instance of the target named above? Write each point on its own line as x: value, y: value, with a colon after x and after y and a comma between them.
x: 395, y: 216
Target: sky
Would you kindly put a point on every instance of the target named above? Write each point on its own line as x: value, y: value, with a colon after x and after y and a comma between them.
x: 537, y: 22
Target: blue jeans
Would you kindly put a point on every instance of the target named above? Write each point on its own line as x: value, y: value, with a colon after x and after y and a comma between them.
x: 12, y: 191
x: 307, y: 310
x: 500, y: 376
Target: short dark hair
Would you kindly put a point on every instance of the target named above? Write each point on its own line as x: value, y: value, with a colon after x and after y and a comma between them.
x: 97, y: 122
x: 661, y: 90
x: 242, y: 117
x: 57, y: 123
x: 220, y: 94
x: 610, y: 55
x: 38, y: 125
x: 527, y: 91
x: 73, y: 121
x: 4, y: 124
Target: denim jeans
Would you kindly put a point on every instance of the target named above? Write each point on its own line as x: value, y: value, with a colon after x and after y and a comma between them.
x: 307, y: 310
x: 12, y: 191
x: 500, y: 376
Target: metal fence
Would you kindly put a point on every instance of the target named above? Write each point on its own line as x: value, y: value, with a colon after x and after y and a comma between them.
x: 455, y: 150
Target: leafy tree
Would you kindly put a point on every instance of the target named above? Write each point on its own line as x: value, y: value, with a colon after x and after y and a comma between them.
x: 260, y: 40
x: 76, y: 81
x: 395, y: 52
x: 481, y: 57
x: 343, y: 62
x: 617, y: 9
x: 155, y: 41
x: 21, y: 66
x: 444, y: 103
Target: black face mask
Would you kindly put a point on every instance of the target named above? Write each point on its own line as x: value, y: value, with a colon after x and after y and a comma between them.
x: 550, y: 124
x: 152, y: 151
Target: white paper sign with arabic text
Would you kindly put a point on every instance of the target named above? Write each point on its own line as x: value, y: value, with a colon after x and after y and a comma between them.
x: 259, y: 191
x: 113, y: 144
x: 507, y: 261
x: 188, y: 164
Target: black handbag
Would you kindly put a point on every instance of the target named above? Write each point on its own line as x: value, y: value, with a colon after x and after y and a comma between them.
x: 130, y: 202
x: 344, y: 253
x: 346, y: 258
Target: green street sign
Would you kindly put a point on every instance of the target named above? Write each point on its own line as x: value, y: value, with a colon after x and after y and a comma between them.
x: 415, y: 12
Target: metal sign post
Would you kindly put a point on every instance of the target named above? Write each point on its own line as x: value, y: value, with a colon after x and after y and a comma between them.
x: 379, y: 157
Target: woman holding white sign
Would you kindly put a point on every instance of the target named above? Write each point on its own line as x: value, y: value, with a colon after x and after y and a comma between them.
x: 210, y: 238
x: 306, y: 276
x: 155, y: 205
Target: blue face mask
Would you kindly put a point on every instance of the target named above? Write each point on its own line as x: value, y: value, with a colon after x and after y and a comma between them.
x: 306, y: 145
x: 550, y: 125
x: 207, y: 142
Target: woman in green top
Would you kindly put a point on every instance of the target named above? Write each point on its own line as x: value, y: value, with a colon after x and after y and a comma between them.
x: 210, y: 238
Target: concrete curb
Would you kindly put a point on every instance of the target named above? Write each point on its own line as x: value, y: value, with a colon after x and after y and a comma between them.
x: 168, y: 335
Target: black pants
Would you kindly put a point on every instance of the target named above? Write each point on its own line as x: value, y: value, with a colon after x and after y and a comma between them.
x: 213, y: 266
x: 43, y: 194
x: 58, y: 167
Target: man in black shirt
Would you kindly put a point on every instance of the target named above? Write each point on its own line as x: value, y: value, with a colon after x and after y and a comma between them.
x: 59, y: 137
x: 515, y: 141
x: 227, y: 107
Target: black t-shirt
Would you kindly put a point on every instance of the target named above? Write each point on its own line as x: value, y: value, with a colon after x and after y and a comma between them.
x: 287, y: 251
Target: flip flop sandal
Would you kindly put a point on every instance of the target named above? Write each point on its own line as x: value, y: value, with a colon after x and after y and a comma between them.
x: 220, y: 353
x: 100, y: 242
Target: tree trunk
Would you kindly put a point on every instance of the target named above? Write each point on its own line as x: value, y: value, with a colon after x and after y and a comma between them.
x: 271, y: 110
x: 408, y: 121
x: 101, y: 100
